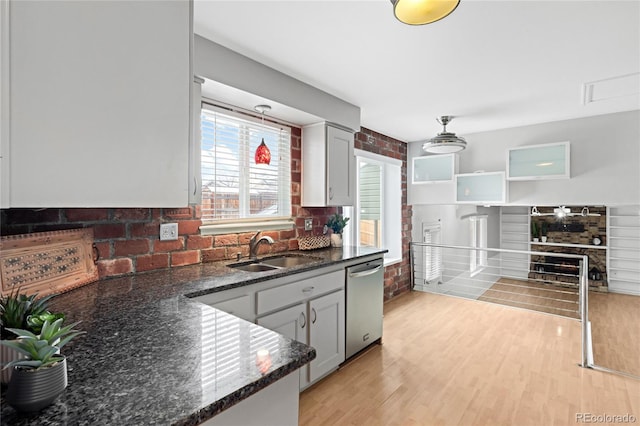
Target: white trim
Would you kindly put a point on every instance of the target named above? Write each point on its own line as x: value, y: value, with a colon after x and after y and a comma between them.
x: 377, y: 157
x: 240, y: 227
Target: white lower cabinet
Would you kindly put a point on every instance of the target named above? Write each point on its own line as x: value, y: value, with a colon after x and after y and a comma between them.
x: 317, y: 319
x: 326, y: 334
x: 277, y: 404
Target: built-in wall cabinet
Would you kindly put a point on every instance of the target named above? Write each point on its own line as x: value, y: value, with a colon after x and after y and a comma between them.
x: 532, y: 162
x: 434, y: 168
x: 96, y: 103
x: 328, y: 174
x: 481, y: 188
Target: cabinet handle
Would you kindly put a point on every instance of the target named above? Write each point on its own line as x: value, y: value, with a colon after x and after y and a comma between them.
x: 330, y: 193
x: 315, y: 316
x: 195, y: 185
x: 303, y: 320
x: 308, y: 289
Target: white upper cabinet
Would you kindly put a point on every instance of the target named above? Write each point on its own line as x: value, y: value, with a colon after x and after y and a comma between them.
x: 98, y: 107
x: 548, y: 161
x: 481, y: 188
x: 434, y: 168
x: 328, y: 166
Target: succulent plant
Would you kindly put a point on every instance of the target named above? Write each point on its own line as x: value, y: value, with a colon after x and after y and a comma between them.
x: 42, y: 350
x: 337, y: 223
x: 16, y: 308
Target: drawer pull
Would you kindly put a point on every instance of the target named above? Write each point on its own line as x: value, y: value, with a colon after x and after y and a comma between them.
x: 315, y: 316
x: 308, y: 289
x: 303, y: 320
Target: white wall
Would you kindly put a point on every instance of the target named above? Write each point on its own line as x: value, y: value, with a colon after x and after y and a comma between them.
x: 454, y: 223
x: 218, y: 63
x: 605, y: 158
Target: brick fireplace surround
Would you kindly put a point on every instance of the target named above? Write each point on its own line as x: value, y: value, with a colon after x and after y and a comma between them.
x: 592, y: 226
x: 128, y: 243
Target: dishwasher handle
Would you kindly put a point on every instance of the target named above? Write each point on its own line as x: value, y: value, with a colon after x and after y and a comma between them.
x: 365, y: 273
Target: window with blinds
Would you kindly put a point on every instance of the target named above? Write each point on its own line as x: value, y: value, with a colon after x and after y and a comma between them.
x: 234, y: 187
x: 432, y: 255
x: 478, y: 232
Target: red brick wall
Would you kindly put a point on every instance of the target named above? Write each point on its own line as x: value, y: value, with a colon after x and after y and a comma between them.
x: 396, y: 277
x: 127, y: 239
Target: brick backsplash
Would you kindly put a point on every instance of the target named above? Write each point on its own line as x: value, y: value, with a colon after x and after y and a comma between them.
x: 127, y: 238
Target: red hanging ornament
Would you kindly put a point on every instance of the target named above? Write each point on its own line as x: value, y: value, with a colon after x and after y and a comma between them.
x: 263, y: 155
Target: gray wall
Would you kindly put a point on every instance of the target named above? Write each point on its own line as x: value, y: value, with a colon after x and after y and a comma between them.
x: 605, y: 158
x: 605, y: 170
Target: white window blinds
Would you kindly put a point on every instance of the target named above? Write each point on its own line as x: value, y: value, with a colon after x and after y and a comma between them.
x: 234, y: 187
x: 432, y: 255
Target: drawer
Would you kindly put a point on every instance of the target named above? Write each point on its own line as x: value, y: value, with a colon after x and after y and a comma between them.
x: 289, y: 294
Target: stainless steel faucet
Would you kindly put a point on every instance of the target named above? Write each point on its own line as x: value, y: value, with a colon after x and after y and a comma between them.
x: 254, y: 242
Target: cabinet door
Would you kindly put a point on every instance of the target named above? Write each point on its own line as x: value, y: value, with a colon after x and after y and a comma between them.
x: 99, y: 106
x: 548, y: 161
x: 340, y: 167
x: 292, y: 323
x: 326, y: 333
x: 481, y: 188
x: 434, y: 168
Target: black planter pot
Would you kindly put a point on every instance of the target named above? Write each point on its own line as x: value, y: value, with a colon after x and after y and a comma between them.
x: 33, y: 390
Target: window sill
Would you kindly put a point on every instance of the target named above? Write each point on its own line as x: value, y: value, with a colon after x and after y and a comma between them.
x: 240, y: 227
x: 391, y: 261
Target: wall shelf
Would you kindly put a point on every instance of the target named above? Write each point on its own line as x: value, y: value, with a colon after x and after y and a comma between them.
x: 586, y: 246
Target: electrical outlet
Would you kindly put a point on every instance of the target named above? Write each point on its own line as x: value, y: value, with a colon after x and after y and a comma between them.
x: 308, y: 224
x: 168, y: 231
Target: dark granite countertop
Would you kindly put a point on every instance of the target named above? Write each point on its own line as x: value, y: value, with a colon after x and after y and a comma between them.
x: 150, y: 353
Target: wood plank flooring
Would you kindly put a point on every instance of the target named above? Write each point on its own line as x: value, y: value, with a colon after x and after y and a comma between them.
x: 533, y: 295
x: 450, y: 361
x: 615, y: 331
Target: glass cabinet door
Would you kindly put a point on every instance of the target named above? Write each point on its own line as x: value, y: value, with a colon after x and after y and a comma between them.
x: 481, y: 188
x: 549, y: 161
x: 434, y: 168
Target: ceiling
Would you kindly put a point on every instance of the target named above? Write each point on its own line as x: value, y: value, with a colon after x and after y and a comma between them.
x: 491, y: 64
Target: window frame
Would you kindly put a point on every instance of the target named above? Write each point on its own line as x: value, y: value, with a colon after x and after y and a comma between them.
x: 240, y: 225
x: 389, y: 198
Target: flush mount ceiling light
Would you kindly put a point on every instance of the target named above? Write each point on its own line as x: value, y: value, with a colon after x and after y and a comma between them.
x: 421, y: 12
x: 445, y: 142
x: 263, y: 155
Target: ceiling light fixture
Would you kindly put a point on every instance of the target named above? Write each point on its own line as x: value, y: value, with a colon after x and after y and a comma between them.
x: 263, y: 155
x: 421, y: 12
x: 445, y: 142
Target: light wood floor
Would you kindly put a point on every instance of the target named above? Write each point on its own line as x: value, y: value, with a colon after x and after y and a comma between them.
x: 533, y: 295
x: 615, y: 331
x: 450, y: 361
x: 615, y: 318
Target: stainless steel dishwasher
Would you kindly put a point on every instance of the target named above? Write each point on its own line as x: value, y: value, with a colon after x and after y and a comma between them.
x: 365, y: 284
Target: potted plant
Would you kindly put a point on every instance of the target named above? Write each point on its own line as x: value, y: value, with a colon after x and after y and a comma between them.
x: 543, y: 231
x: 23, y: 312
x: 39, y: 377
x: 535, y: 231
x: 337, y: 222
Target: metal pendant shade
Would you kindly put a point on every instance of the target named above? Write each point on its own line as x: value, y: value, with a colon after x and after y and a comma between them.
x: 421, y: 12
x: 445, y: 142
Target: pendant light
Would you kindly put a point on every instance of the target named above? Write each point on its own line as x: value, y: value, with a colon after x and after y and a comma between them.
x: 420, y: 12
x: 263, y: 155
x: 445, y: 142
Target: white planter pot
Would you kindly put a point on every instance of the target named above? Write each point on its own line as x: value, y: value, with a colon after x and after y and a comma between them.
x: 336, y: 240
x: 544, y: 239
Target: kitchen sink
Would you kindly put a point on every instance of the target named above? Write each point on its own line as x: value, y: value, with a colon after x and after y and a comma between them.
x: 276, y: 262
x: 289, y: 261
x: 253, y: 267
